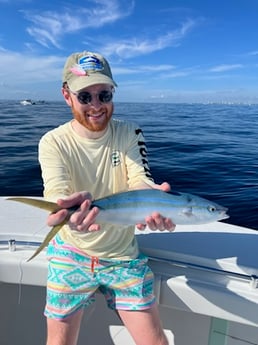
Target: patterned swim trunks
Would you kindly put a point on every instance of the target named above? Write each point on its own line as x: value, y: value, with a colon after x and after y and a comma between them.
x: 74, y: 278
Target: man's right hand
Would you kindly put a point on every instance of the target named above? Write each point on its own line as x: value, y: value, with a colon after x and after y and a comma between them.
x: 83, y: 219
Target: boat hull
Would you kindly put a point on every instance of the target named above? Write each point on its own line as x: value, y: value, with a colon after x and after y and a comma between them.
x: 205, y: 284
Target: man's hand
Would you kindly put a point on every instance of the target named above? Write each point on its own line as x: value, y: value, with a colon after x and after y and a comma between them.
x: 82, y: 219
x: 156, y: 221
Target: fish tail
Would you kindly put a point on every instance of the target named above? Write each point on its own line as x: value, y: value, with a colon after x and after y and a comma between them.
x: 39, y: 203
x: 48, y: 238
x: 48, y: 206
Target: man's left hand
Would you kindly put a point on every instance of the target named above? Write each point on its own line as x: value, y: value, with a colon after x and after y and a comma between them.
x: 156, y: 221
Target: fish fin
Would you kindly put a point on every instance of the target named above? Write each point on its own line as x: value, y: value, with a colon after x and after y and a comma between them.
x: 188, y: 211
x: 48, y: 238
x: 43, y: 204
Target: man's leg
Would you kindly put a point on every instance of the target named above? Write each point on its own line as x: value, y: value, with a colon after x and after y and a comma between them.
x: 144, y: 326
x: 64, y: 332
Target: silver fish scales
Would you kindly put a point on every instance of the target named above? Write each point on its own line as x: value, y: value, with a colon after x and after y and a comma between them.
x: 130, y: 208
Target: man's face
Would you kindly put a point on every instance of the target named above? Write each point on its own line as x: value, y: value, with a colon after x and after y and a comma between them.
x: 95, y: 114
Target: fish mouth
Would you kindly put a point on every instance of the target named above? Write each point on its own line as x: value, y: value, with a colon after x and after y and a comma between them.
x: 223, y: 213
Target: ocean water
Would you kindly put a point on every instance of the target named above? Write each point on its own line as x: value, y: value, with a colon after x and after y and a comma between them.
x: 206, y: 149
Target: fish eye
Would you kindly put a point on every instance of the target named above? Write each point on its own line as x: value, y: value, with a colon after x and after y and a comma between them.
x: 211, y: 208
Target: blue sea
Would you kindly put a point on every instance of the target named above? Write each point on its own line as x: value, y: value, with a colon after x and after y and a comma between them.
x: 206, y: 149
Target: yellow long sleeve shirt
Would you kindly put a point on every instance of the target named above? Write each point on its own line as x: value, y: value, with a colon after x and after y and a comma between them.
x: 114, y: 163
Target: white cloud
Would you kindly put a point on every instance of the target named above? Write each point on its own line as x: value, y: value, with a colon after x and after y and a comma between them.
x: 157, y: 68
x: 177, y: 74
x: 122, y: 70
x: 49, y: 26
x: 18, y: 68
x: 225, y: 67
x: 135, y: 47
x: 43, y: 37
x: 253, y: 53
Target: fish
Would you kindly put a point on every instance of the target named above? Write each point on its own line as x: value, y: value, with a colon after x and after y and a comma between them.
x: 132, y: 207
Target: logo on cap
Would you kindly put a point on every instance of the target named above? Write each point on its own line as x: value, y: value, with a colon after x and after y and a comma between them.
x: 87, y: 63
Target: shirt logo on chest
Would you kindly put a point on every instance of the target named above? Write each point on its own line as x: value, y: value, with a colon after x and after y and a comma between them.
x: 115, y: 158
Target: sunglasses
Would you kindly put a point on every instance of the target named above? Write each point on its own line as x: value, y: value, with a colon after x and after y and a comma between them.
x: 85, y: 97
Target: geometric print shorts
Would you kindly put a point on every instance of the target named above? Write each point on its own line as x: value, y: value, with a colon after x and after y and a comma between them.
x: 74, y: 278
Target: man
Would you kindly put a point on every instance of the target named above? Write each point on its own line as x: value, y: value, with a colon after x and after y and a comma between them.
x: 94, y: 156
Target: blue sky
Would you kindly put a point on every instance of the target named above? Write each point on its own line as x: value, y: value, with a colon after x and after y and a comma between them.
x: 159, y: 51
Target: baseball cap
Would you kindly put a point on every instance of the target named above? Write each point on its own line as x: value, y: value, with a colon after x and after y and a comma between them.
x: 85, y: 69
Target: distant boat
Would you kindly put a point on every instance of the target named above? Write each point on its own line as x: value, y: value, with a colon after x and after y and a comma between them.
x: 27, y: 102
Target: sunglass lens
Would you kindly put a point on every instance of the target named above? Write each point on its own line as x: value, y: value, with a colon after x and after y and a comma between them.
x: 105, y: 96
x: 84, y: 97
